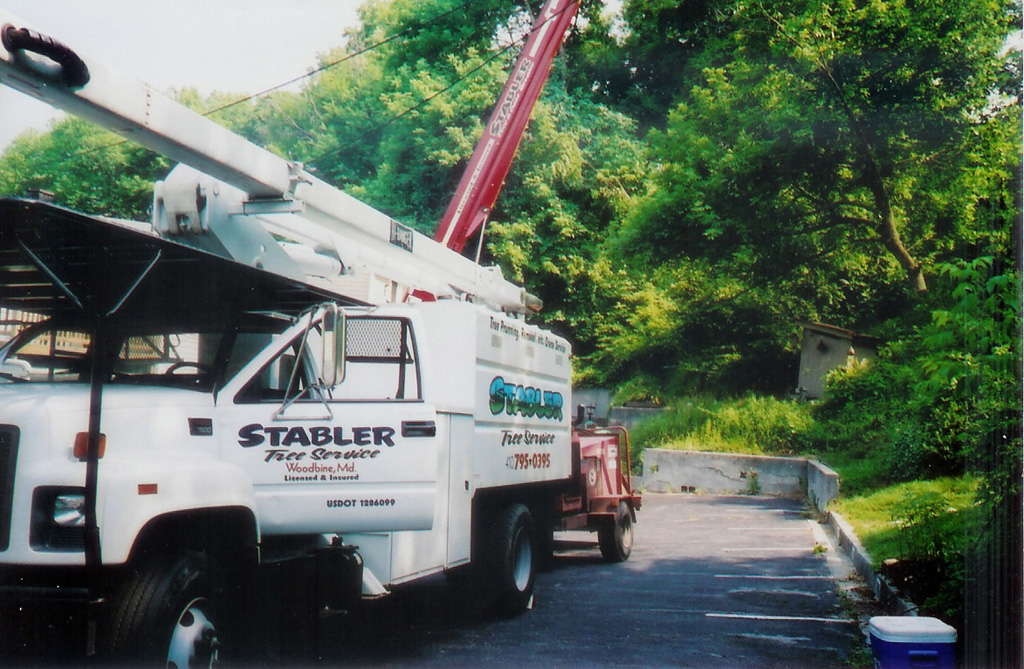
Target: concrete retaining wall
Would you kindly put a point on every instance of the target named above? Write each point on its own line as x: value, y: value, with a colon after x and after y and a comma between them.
x: 890, y: 599
x: 599, y: 401
x: 822, y: 485
x: 725, y: 473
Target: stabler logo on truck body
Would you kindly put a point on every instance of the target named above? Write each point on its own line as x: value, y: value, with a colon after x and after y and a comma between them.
x: 357, y: 443
x: 529, y: 402
x: 255, y: 434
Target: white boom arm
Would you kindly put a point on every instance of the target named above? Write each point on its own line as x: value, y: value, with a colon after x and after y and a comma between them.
x: 363, y: 237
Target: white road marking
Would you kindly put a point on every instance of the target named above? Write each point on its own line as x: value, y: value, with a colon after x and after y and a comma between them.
x: 780, y: 638
x: 761, y: 549
x: 757, y: 591
x: 773, y: 578
x: 751, y: 616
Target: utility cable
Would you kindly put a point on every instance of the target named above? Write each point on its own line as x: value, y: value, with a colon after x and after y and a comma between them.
x: 343, y: 59
x: 422, y: 103
x: 267, y: 91
x: 339, y: 61
x: 453, y: 84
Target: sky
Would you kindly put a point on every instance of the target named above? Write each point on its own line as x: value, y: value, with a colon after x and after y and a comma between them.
x: 241, y: 46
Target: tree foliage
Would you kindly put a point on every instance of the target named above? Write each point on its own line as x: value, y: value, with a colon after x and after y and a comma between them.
x: 696, y: 176
x: 85, y: 168
x: 821, y: 159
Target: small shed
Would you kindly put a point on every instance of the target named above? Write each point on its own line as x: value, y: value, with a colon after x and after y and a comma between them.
x: 827, y: 347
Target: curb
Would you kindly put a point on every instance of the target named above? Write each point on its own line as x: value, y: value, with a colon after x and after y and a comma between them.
x: 886, y: 594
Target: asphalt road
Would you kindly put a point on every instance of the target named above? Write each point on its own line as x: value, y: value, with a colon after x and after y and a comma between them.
x: 714, y: 581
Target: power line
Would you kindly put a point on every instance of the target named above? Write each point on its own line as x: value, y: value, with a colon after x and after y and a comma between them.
x: 341, y: 60
x: 426, y: 100
x: 267, y: 91
x: 456, y: 82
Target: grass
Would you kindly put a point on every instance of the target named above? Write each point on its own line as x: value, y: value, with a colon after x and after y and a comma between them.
x: 681, y: 418
x: 920, y: 534
x: 750, y: 425
x: 891, y: 522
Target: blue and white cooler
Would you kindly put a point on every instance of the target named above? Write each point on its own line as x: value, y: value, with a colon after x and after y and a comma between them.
x: 906, y: 642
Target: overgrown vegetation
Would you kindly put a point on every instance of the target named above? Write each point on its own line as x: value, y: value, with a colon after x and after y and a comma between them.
x: 754, y: 424
x: 919, y: 533
x: 696, y: 178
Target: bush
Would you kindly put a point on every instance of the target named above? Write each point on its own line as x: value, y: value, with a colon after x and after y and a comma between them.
x: 865, y: 407
x: 766, y: 424
x: 859, y: 473
x: 927, y: 528
x: 914, y: 453
x: 749, y: 425
x: 682, y: 417
x: 971, y: 360
x: 936, y: 529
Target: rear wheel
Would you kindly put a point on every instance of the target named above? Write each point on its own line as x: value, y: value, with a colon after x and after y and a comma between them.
x: 616, y: 537
x: 170, y: 614
x: 513, y: 560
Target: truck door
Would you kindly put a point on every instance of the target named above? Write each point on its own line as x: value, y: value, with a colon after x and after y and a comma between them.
x: 358, y: 456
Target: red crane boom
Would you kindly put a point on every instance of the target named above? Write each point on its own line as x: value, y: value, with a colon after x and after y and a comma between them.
x: 485, y: 175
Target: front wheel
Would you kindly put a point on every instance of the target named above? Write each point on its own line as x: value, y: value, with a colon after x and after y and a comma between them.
x: 170, y: 614
x: 513, y: 560
x: 616, y: 537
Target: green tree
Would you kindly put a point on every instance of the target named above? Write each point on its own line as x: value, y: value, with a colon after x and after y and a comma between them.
x: 815, y: 129
x: 578, y: 169
x: 396, y: 126
x: 86, y: 168
x: 824, y: 155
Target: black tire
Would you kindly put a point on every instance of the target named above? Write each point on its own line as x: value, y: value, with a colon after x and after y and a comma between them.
x: 616, y: 537
x: 513, y: 563
x: 170, y: 614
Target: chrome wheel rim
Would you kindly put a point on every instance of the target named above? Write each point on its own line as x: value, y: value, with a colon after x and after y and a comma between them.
x: 194, y: 641
x: 522, y: 561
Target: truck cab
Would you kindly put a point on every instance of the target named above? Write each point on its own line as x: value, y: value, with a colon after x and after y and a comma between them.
x: 242, y: 419
x: 240, y: 406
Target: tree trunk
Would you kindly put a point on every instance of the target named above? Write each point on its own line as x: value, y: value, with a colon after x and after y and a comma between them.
x: 873, y: 179
x: 886, y: 227
x: 891, y: 240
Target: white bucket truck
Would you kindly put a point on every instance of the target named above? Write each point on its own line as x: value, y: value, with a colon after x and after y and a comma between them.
x: 197, y: 405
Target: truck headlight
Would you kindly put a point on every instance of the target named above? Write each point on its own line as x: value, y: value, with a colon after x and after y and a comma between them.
x: 69, y: 510
x: 58, y: 519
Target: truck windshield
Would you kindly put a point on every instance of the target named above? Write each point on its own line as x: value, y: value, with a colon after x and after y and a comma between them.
x: 183, y: 358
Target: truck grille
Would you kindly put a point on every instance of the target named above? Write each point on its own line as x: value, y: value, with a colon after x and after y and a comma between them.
x: 8, y: 458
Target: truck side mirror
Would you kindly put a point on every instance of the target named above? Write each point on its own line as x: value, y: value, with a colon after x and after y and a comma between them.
x: 332, y: 365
